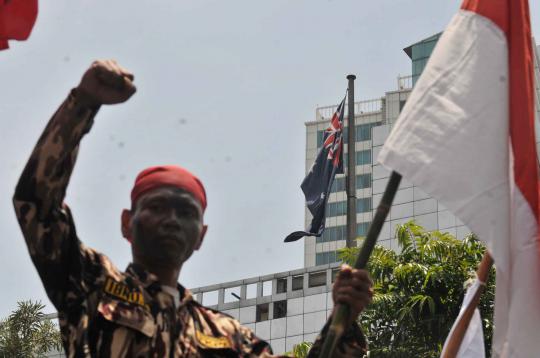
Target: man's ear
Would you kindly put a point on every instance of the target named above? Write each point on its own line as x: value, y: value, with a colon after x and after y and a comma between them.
x: 126, y: 224
x: 201, y: 238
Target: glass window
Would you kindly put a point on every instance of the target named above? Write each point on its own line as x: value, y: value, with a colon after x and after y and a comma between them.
x: 251, y: 291
x: 210, y: 298
x: 333, y: 233
x: 267, y: 288
x: 340, y: 233
x: 297, y: 282
x: 362, y: 229
x: 281, y: 285
x: 363, y: 157
x: 262, y: 312
x: 416, y: 51
x: 321, y: 258
x: 416, y: 68
x: 232, y: 294
x: 336, y: 209
x: 363, y: 131
x: 317, y: 279
x: 336, y: 233
x: 280, y: 309
x: 320, y: 137
x: 363, y: 181
x: 334, y: 274
x: 363, y: 205
x: 332, y: 257
x: 338, y: 185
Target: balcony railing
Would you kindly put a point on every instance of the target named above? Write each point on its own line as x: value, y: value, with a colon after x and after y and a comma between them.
x: 361, y: 107
x: 404, y: 82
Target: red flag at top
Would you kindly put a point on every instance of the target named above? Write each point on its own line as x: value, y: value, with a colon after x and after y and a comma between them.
x: 17, y: 17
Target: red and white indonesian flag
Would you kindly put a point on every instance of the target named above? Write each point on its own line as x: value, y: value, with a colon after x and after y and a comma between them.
x: 466, y: 137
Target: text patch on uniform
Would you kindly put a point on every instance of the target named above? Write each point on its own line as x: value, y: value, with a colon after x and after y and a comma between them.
x: 123, y: 292
x: 212, y: 342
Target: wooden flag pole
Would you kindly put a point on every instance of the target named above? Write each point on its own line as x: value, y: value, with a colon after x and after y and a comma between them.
x: 342, y: 312
x: 455, y: 340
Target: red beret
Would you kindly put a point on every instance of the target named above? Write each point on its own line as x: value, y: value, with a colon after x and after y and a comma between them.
x: 168, y: 175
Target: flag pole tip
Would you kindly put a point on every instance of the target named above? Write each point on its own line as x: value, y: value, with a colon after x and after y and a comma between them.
x: 351, y: 77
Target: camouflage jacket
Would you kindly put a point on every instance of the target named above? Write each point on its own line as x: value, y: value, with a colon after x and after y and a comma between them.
x: 102, y: 311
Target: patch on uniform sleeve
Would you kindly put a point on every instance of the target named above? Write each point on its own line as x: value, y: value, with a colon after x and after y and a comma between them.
x: 206, y: 341
x: 123, y: 292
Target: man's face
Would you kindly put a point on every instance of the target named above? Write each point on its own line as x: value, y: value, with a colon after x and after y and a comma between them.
x: 166, y: 227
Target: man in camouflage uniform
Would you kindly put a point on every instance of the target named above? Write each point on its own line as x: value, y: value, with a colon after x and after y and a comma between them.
x: 142, y: 312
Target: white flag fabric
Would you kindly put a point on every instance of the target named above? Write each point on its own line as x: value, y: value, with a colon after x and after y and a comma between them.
x: 472, y: 345
x: 466, y: 137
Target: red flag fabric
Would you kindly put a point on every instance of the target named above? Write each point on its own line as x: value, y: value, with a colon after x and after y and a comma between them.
x: 17, y: 18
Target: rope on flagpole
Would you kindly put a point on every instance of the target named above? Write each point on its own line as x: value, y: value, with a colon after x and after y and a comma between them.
x: 342, y: 312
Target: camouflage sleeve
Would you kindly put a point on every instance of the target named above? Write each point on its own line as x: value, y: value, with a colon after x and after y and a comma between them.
x: 46, y: 222
x: 352, y: 344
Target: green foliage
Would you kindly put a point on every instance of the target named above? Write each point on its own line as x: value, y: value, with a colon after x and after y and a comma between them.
x: 418, y: 291
x: 300, y: 350
x: 27, y: 333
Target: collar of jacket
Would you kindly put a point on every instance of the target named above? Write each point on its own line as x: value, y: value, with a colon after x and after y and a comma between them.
x: 150, y: 282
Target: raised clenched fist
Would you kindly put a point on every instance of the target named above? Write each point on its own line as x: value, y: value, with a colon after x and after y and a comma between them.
x: 105, y: 82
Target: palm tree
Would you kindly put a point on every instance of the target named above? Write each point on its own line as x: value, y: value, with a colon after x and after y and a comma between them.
x: 300, y: 350
x: 28, y: 333
x: 419, y: 290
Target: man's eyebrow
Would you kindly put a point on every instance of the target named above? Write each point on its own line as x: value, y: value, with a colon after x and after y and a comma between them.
x: 154, y: 198
x: 188, y: 202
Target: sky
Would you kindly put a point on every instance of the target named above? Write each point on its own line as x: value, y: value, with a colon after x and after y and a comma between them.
x: 224, y: 89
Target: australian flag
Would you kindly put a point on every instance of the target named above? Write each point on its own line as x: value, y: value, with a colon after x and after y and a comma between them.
x: 317, y: 184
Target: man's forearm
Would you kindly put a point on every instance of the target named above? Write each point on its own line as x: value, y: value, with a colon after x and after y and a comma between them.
x: 46, y: 175
x: 45, y: 224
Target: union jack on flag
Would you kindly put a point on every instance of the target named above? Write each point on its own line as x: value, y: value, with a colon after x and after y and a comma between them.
x: 333, y: 135
x: 318, y: 182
